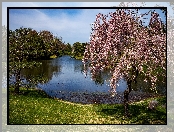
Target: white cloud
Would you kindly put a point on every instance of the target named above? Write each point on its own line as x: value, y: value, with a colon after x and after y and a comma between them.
x: 71, y: 29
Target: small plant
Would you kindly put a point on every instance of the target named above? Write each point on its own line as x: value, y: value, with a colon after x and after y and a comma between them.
x: 152, y: 105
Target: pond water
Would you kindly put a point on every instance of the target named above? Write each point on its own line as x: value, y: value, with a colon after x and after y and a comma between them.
x: 64, y: 79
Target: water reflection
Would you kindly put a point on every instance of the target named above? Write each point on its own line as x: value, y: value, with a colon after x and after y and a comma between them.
x: 66, y: 74
x: 63, y: 77
x: 78, y: 67
x: 42, y: 74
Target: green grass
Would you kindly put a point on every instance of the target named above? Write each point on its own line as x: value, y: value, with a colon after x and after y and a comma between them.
x: 78, y: 57
x: 53, y: 57
x: 35, y: 107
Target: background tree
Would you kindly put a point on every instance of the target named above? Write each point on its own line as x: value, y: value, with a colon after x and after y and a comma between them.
x: 21, y: 43
x: 59, y: 46
x: 47, y: 43
x: 68, y: 49
x: 27, y: 45
x: 78, y: 49
x: 121, y: 44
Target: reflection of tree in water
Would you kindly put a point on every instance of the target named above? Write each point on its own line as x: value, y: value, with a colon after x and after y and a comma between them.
x: 141, y: 85
x: 56, y: 67
x: 78, y: 67
x: 98, y: 78
x: 42, y: 74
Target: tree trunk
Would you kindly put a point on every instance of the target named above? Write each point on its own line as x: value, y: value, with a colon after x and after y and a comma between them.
x: 17, y: 84
x: 126, y: 94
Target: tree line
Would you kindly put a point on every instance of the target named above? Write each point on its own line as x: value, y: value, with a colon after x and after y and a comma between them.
x: 27, y: 45
x: 30, y: 44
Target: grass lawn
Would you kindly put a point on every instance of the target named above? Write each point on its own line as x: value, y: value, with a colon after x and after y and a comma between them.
x: 78, y: 57
x: 53, y: 57
x: 35, y: 107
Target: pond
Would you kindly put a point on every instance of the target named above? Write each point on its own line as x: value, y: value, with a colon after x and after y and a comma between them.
x: 64, y: 79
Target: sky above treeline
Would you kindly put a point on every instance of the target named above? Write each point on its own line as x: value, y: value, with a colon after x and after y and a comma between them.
x: 73, y: 25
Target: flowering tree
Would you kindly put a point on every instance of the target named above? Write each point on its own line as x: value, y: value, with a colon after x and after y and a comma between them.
x: 121, y: 44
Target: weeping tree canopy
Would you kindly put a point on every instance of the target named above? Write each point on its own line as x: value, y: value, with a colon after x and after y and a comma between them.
x: 120, y: 43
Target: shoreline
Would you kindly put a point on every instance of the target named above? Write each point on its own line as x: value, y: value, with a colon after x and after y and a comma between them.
x: 99, y: 98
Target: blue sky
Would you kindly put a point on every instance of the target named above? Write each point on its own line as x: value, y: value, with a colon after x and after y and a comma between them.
x: 72, y: 25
